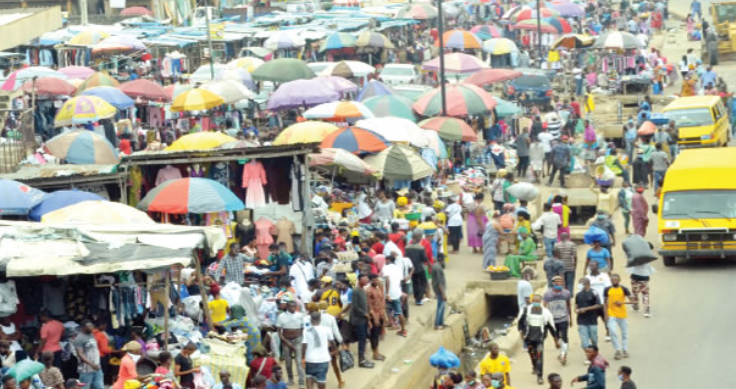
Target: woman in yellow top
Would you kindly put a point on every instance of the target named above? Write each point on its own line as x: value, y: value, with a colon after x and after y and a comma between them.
x: 439, y: 206
x: 219, y: 308
x: 331, y: 296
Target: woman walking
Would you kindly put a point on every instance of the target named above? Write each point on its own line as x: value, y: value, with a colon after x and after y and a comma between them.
x: 490, y: 240
x: 477, y: 220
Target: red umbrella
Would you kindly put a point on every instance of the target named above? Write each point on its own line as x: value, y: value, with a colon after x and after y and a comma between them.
x: 490, y: 76
x: 136, y: 11
x: 145, y: 89
x: 50, y: 86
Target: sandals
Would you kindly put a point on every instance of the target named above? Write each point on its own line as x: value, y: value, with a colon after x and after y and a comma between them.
x: 403, y: 333
x: 379, y: 358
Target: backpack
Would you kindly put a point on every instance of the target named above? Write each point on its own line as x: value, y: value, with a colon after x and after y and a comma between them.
x: 533, y: 325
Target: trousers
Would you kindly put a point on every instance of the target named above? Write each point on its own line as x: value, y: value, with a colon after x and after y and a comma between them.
x: 556, y: 169
x: 588, y: 335
x: 93, y: 380
x: 641, y: 287
x: 293, y: 355
x: 614, y: 325
x: 536, y: 354
x: 439, y: 316
x: 419, y: 282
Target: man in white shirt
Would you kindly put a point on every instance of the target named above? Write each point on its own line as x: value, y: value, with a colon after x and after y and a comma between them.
x: 549, y: 223
x: 389, y: 247
x: 524, y: 289
x: 545, y: 138
x: 598, y: 281
x: 301, y: 272
x: 327, y: 321
x: 454, y: 214
x: 316, y: 351
x: 394, y: 274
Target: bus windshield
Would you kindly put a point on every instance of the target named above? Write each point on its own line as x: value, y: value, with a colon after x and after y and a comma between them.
x: 699, y: 204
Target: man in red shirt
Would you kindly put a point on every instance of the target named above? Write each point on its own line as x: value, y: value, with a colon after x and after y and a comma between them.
x: 51, y: 332
x: 103, y: 346
x: 398, y: 237
x: 575, y: 107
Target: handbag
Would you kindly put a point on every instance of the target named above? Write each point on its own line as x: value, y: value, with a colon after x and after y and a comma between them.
x: 347, y: 361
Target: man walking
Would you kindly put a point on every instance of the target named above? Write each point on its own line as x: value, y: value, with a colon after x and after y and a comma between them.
x: 616, y: 316
x: 494, y: 362
x: 377, y: 313
x: 569, y: 256
x: 557, y: 300
x: 360, y: 319
x: 522, y: 151
x: 560, y: 156
x: 90, y: 373
x: 439, y: 286
x: 394, y: 275
x: 603, y: 221
x: 548, y: 223
x: 588, y: 307
x: 596, y: 375
x: 660, y: 163
x: 289, y: 325
x: 316, y: 351
x: 534, y: 324
x: 639, y: 212
x: 418, y: 256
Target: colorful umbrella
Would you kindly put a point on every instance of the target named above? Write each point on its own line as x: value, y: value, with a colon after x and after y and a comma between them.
x: 527, y: 14
x: 97, y: 212
x: 461, y: 40
x: 82, y: 147
x: 82, y: 110
x: 190, y: 195
x: 60, y: 199
x: 490, y: 76
x: 500, y: 46
x: 49, y: 86
x: 391, y: 105
x: 238, y: 75
x: 436, y: 144
x: 337, y: 41
x: 395, y: 129
x: 375, y: 88
x: 508, y: 15
x: 400, y: 162
x: 144, y: 89
x: 418, y: 11
x: 77, y: 72
x: 561, y: 25
x: 348, y: 69
x: 341, y: 158
x: 544, y: 4
x: 338, y: 84
x: 617, y: 40
x: 304, y: 132
x: 461, y: 100
x: 16, y: 79
x: 284, y: 39
x: 113, y: 96
x: 573, y: 41
x: 136, y: 11
x: 340, y: 111
x: 283, y: 70
x: 248, y: 64
x: 451, y: 129
x: 196, y: 99
x: 98, y: 79
x: 355, y: 140
x: 231, y: 92
x: 203, y: 140
x: 373, y: 39
x: 118, y: 44
x: 486, y: 32
x: 506, y: 108
x: 174, y: 90
x: 568, y: 9
x: 301, y: 93
x: 456, y: 63
x: 533, y: 25
x: 87, y: 38
x: 17, y: 198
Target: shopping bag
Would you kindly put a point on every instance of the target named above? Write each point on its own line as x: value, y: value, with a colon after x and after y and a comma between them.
x: 347, y: 361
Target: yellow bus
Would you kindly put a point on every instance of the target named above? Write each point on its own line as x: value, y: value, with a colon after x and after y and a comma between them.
x: 702, y: 121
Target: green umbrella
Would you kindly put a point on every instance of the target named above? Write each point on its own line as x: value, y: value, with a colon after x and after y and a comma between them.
x: 391, y: 105
x: 506, y: 108
x: 400, y: 162
x: 283, y: 70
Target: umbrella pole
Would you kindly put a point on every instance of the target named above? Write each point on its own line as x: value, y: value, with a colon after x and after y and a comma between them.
x: 167, y: 287
x: 539, y: 33
x: 440, y: 32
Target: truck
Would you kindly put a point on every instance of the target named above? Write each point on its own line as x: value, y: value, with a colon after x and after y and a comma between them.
x: 721, y: 41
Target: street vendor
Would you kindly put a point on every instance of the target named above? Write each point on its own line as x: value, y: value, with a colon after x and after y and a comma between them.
x: 128, y: 369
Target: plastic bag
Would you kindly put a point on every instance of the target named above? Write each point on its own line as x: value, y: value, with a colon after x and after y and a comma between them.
x: 25, y: 369
x: 347, y: 361
x: 444, y: 359
x: 523, y: 191
x: 638, y: 251
x: 595, y: 234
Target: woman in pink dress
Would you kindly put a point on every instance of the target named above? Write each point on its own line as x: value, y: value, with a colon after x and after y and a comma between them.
x: 690, y: 26
x: 264, y: 237
x: 560, y: 207
x: 477, y: 220
x: 254, y: 177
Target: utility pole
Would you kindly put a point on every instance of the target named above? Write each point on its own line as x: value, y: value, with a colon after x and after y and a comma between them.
x: 539, y: 32
x: 84, y: 18
x: 440, y: 33
x: 209, y: 39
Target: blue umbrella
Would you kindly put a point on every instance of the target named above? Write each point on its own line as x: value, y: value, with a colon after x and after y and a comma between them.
x: 112, y: 95
x: 17, y: 198
x: 375, y: 88
x: 337, y: 41
x: 61, y: 199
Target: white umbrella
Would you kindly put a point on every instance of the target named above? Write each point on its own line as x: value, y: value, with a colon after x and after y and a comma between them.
x: 284, y: 40
x: 359, y: 69
x: 396, y: 129
x: 204, y: 73
x: 231, y: 92
x: 617, y: 40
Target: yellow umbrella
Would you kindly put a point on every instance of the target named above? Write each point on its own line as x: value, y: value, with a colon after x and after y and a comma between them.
x: 88, y: 38
x: 305, y: 132
x: 249, y: 64
x: 196, y: 100
x: 82, y: 110
x: 97, y: 212
x: 201, y: 141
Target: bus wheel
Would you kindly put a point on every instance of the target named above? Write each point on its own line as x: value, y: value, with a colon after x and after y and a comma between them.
x: 669, y: 261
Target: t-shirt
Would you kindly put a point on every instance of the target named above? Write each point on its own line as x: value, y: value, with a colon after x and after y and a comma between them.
x: 290, y: 321
x: 127, y: 372
x: 88, y: 346
x: 546, y: 139
x: 51, y: 377
x: 523, y: 290
x: 9, y: 330
x: 557, y: 304
x: 584, y: 300
x: 659, y: 161
x: 394, y: 274
x: 218, y: 310
x: 553, y: 267
x: 438, y: 279
x: 332, y: 297
x: 499, y: 365
x: 617, y: 294
x: 599, y: 283
x: 52, y: 332
x: 185, y: 363
x: 522, y: 145
x: 315, y: 353
x: 628, y: 385
x: 601, y: 257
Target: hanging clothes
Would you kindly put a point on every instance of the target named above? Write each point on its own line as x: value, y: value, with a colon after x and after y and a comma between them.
x: 264, y: 237
x: 220, y: 172
x: 167, y: 173
x: 279, y: 186
x: 297, y: 179
x: 285, y: 228
x: 196, y: 171
x: 254, y: 177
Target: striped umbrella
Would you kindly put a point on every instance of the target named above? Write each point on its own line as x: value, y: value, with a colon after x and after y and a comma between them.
x: 17, y: 198
x: 118, y: 44
x: 568, y: 9
x: 249, y: 64
x: 285, y: 39
x: 98, y: 79
x: 16, y: 79
x: 617, y: 40
x: 508, y: 15
x: 82, y: 147
x: 400, y: 162
x: 395, y: 129
x: 174, y: 90
x: 305, y: 132
x: 456, y: 63
x: 338, y: 84
x: 451, y: 129
x: 341, y: 110
x: 238, y: 75
x: 196, y: 100
x: 203, y: 140
x: 526, y: 14
x: 341, y: 158
x: 113, y: 96
x: 77, y: 72
x: 190, y: 195
x: 391, y: 105
x: 231, y: 92
x: 462, y: 100
x: 144, y: 89
x: 82, y: 110
x: 486, y: 31
x: 500, y: 46
x: 418, y: 11
x: 461, y: 40
x: 301, y: 93
x: 490, y: 76
x: 436, y: 144
x: 574, y: 41
x: 348, y: 69
x: 506, y: 108
x: 375, y: 88
x: 373, y: 39
x: 283, y: 70
x: 49, y: 86
x: 355, y: 140
x: 337, y: 41
x: 532, y: 25
x: 561, y: 25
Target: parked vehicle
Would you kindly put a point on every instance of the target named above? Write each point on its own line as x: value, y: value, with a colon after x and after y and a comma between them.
x: 530, y: 90
x: 702, y: 121
x: 395, y: 74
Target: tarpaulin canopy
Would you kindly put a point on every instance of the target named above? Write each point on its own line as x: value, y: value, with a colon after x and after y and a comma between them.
x: 30, y: 249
